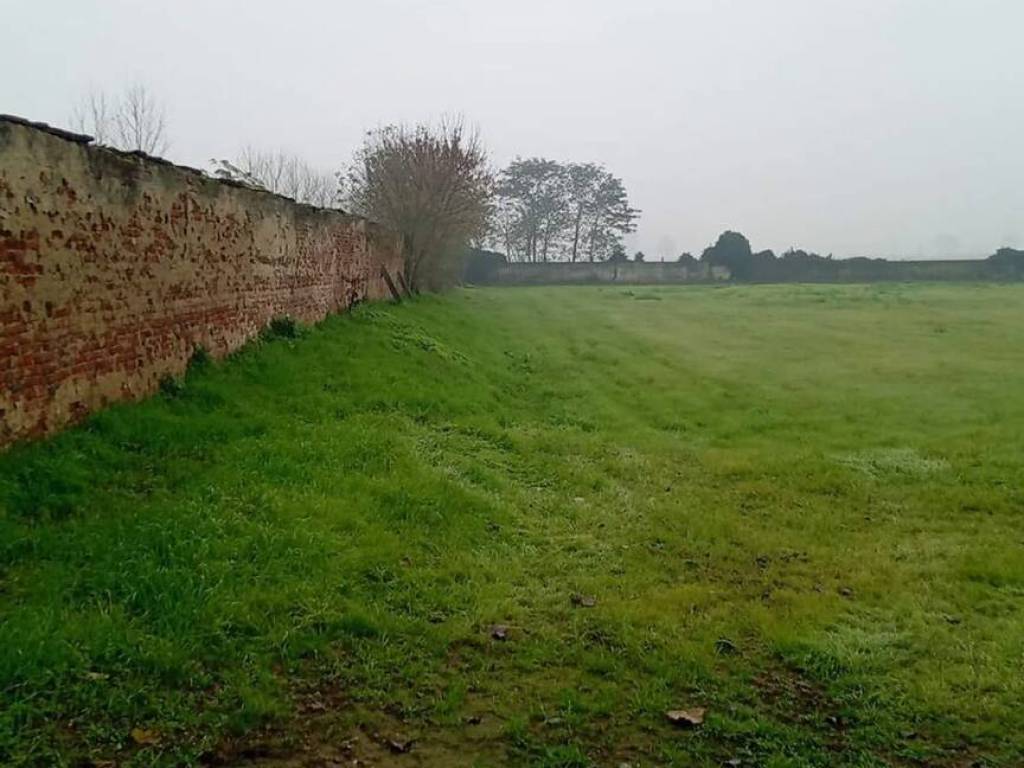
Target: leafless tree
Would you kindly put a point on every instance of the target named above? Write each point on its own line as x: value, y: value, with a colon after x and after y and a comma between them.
x: 290, y: 176
x: 94, y: 115
x: 283, y: 174
x: 135, y: 120
x: 433, y: 186
x: 141, y: 121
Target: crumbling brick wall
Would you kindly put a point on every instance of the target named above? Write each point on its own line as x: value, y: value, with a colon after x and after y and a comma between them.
x: 114, y: 267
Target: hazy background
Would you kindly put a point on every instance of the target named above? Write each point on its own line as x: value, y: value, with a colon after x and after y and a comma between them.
x: 857, y: 127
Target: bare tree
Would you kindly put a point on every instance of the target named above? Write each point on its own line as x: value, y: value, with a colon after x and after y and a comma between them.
x: 133, y: 121
x: 141, y: 122
x: 432, y: 186
x: 94, y: 115
x: 282, y: 173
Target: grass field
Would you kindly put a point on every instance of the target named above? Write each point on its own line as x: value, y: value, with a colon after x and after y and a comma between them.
x: 799, y: 508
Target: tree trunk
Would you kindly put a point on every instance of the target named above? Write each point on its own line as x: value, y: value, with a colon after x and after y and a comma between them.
x: 576, y: 232
x: 409, y: 262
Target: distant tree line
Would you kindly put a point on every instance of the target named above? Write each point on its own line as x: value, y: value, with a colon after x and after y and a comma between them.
x: 1009, y: 260
x: 732, y: 250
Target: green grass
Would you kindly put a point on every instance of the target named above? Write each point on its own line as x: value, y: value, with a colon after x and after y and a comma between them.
x: 799, y: 507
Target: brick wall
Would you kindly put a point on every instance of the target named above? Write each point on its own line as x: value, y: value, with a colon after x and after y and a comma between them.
x: 114, y: 267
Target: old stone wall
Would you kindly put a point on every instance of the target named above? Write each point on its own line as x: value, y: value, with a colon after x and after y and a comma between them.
x: 655, y: 273
x: 622, y: 272
x: 115, y: 267
x: 863, y: 270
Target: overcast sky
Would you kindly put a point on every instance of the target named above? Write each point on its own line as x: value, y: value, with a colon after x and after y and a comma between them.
x: 857, y: 127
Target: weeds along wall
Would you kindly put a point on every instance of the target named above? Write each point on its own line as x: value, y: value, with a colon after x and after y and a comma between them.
x: 115, y: 267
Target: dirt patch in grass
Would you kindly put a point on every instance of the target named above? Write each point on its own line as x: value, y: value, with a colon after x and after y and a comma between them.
x: 329, y: 730
x: 792, y: 698
x: 321, y: 737
x: 319, y: 747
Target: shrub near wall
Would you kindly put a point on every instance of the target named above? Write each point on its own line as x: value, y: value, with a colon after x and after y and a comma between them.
x: 115, y: 267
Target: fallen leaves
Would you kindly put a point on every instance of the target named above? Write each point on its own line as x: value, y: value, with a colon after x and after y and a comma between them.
x: 400, y: 746
x: 145, y: 737
x: 686, y: 718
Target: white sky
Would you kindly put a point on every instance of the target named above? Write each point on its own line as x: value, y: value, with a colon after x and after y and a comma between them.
x: 858, y: 127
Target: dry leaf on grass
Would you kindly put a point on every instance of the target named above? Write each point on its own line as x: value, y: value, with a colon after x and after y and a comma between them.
x: 144, y: 736
x: 686, y: 718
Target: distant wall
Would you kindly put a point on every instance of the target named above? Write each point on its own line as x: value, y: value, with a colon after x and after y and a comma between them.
x: 620, y: 272
x: 779, y: 271
x: 114, y: 267
x: 881, y: 270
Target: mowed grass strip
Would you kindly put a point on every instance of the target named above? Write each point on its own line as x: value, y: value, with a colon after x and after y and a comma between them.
x: 798, y: 507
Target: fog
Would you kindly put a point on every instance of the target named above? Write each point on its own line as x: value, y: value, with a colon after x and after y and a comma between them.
x: 879, y: 128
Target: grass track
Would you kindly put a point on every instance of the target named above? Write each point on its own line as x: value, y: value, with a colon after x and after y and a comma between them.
x: 797, y: 506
